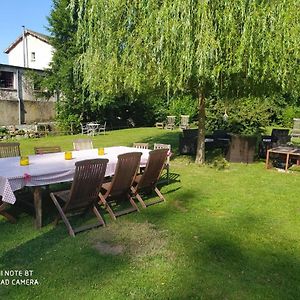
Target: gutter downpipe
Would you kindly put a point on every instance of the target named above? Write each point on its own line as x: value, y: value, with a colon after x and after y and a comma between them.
x: 24, y: 47
x: 19, y: 97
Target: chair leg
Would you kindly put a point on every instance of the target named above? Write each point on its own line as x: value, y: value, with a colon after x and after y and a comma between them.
x: 99, y: 217
x: 132, y: 202
x: 5, y: 214
x: 9, y: 217
x: 107, y: 207
x: 168, y: 174
x: 137, y: 195
x: 63, y: 216
x: 159, y: 194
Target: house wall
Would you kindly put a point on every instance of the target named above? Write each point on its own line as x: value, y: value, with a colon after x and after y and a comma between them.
x: 35, y: 112
x: 43, y: 54
x: 33, y: 109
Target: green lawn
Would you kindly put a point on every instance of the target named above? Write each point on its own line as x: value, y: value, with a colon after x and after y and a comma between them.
x: 231, y: 234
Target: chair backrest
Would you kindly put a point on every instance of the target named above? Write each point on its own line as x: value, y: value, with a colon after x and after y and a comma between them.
x: 171, y: 120
x: 164, y: 146
x: 82, y: 144
x: 48, y: 149
x: 87, y: 182
x: 9, y: 149
x: 154, y: 167
x: 184, y: 120
x: 126, y: 169
x: 141, y: 145
x: 296, y: 124
x: 102, y: 126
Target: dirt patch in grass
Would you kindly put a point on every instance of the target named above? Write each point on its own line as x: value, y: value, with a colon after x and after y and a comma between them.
x: 179, y: 205
x: 138, y: 240
x: 105, y: 248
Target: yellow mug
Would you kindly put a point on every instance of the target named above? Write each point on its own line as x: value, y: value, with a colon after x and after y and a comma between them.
x: 100, y: 151
x: 68, y: 155
x: 24, y: 161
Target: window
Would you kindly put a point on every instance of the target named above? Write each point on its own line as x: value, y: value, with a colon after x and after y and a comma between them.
x: 32, y: 56
x: 6, y: 80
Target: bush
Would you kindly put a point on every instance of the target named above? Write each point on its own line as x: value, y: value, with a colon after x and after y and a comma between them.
x: 288, y: 114
x: 183, y: 105
x: 247, y: 116
x: 220, y: 163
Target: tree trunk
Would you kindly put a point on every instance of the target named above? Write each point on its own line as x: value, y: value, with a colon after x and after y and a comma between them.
x: 200, y: 153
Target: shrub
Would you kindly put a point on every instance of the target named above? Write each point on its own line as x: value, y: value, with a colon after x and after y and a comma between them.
x: 183, y: 105
x: 220, y: 163
x: 243, y: 116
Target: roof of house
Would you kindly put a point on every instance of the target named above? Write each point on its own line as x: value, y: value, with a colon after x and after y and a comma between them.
x: 37, y: 35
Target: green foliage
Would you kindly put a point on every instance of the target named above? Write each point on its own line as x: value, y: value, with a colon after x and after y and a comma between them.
x: 36, y: 82
x: 183, y: 105
x: 287, y: 115
x: 3, y: 131
x: 73, y: 104
x: 244, y: 116
x: 159, y: 108
x: 235, y: 46
x: 220, y: 163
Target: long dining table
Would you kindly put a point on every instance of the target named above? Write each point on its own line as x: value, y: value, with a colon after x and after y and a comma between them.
x: 45, y: 169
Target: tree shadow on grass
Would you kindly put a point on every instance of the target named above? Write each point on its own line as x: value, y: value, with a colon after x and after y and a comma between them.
x: 220, y: 266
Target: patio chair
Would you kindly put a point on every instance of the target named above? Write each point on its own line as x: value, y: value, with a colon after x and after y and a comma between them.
x: 47, y: 149
x: 82, y: 144
x: 296, y: 128
x: 184, y: 122
x: 170, y: 122
x: 83, y: 195
x: 118, y: 189
x: 85, y: 129
x: 3, y: 208
x: 9, y: 149
x: 102, y: 128
x: 141, y: 145
x: 167, y: 162
x: 147, y: 181
x: 159, y: 125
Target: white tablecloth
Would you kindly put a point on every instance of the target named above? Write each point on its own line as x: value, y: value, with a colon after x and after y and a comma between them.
x: 52, y: 168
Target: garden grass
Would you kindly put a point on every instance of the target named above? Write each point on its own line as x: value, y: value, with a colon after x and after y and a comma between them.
x: 229, y: 234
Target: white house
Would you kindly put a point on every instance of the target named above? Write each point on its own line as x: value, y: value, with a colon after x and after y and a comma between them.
x: 30, y: 50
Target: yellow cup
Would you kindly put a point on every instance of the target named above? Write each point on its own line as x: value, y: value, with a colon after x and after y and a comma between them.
x: 100, y: 151
x: 68, y: 155
x: 24, y: 161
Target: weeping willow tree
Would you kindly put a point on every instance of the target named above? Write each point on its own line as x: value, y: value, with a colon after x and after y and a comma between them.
x: 232, y: 47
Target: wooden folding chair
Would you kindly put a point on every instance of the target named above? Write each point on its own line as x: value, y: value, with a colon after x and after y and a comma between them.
x: 167, y: 163
x: 83, y: 195
x: 3, y: 207
x: 119, y: 188
x: 147, y: 181
x: 141, y: 145
x: 47, y: 149
x: 9, y: 149
x: 82, y: 144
